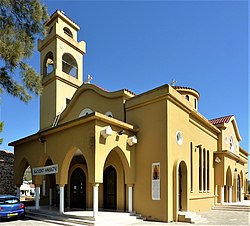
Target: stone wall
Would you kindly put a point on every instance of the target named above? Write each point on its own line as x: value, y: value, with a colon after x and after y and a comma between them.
x: 7, y: 172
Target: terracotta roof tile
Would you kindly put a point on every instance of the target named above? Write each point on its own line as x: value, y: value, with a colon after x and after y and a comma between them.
x: 184, y: 87
x: 224, y: 119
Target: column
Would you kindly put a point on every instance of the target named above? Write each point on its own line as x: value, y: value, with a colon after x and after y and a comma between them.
x: 230, y: 191
x: 37, y: 196
x: 130, y: 198
x: 18, y: 192
x: 222, y: 194
x: 50, y: 196
x: 95, y: 200
x: 61, y: 203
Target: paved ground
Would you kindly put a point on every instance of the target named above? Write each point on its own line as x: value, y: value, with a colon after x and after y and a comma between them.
x: 214, y: 217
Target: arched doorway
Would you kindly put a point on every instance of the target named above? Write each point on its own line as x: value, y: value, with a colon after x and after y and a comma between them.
x: 110, y: 188
x: 238, y: 189
x: 78, y: 189
x: 182, y: 188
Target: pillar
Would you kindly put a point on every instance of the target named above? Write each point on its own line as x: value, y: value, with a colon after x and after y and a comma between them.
x: 230, y: 191
x: 95, y: 200
x: 37, y: 196
x: 130, y: 198
x: 18, y: 194
x: 50, y: 197
x: 222, y: 194
x: 61, y: 203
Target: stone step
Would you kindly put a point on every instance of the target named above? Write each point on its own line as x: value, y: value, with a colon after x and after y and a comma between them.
x: 55, y: 217
x: 228, y: 207
x: 190, y: 217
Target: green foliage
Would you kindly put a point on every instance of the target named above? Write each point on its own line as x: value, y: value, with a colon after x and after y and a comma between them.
x: 20, y: 23
x: 1, y: 129
x: 27, y: 174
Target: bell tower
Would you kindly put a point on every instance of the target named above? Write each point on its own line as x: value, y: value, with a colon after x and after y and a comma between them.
x: 61, y: 66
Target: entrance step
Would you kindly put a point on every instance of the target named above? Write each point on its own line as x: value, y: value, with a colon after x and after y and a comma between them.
x: 190, y: 217
x: 62, y: 219
x: 116, y: 219
x: 228, y: 207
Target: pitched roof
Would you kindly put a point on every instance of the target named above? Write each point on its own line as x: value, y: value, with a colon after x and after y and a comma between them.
x: 224, y: 119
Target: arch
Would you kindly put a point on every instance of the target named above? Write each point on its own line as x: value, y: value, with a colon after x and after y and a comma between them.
x: 68, y: 32
x: 19, y: 171
x: 63, y: 174
x: 229, y: 177
x: 69, y: 65
x: 85, y: 111
x: 180, y: 181
x: 187, y: 97
x: 182, y: 186
x: 124, y: 161
x: 48, y: 64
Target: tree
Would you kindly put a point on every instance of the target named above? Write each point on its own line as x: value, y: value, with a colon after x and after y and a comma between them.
x: 21, y: 22
x: 1, y: 129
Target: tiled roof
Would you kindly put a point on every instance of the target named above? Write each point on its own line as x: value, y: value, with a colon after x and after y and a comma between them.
x: 224, y: 119
x: 183, y: 87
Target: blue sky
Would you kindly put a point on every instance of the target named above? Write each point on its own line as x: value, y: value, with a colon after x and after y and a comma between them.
x: 140, y: 45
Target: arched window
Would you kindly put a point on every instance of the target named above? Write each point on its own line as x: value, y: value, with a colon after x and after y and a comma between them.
x: 208, y: 185
x: 191, y: 165
x: 204, y: 169
x: 187, y: 97
x: 109, y: 114
x: 69, y: 65
x: 200, y: 169
x: 68, y: 32
x: 85, y: 112
x: 48, y: 64
x: 195, y: 103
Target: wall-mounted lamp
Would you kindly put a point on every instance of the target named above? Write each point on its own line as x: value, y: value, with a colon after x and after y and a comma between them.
x: 132, y: 140
x: 217, y: 159
x: 107, y: 131
x: 121, y: 132
x: 42, y: 139
x: 198, y: 146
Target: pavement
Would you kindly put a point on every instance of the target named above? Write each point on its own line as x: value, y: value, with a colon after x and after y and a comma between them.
x: 213, y: 217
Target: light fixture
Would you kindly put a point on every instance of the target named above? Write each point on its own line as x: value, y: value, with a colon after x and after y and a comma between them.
x: 107, y: 131
x: 121, y: 132
x: 198, y: 146
x: 132, y: 140
x: 42, y: 139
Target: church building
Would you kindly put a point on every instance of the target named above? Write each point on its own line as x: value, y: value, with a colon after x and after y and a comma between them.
x: 153, y: 153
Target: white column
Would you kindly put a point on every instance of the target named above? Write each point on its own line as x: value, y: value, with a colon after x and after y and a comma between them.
x: 230, y: 191
x: 37, y: 194
x: 95, y: 200
x: 18, y: 194
x: 50, y: 196
x: 61, y: 204
x: 130, y: 198
x: 222, y: 194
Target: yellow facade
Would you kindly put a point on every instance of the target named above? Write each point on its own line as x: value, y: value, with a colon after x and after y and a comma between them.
x: 152, y: 153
